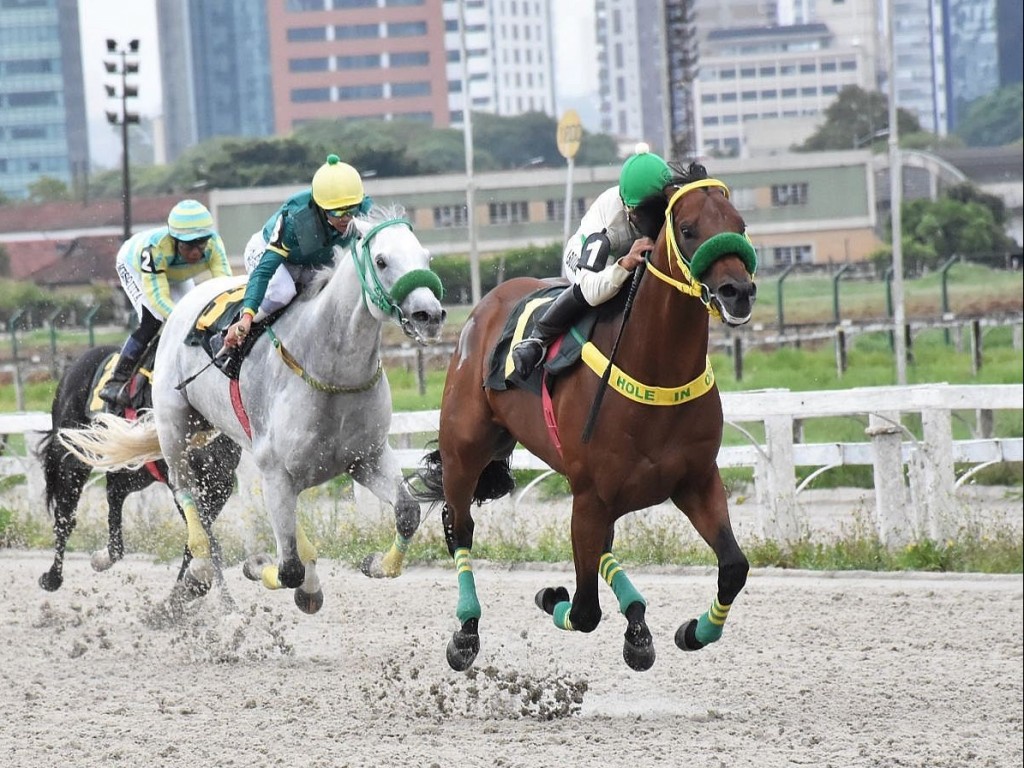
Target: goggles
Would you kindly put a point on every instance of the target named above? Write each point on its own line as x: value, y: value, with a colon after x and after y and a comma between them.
x: 199, y: 242
x: 338, y: 213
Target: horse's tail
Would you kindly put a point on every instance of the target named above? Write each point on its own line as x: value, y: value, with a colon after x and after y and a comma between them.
x: 112, y: 443
x: 495, y: 481
x: 46, y: 452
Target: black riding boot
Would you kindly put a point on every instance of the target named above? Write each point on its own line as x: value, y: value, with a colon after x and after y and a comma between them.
x: 556, y: 320
x: 114, y: 392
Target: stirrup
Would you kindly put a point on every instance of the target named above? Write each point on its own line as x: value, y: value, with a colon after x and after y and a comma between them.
x: 114, y: 394
x: 526, y: 356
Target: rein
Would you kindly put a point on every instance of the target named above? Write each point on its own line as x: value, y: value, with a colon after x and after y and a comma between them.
x: 320, y: 386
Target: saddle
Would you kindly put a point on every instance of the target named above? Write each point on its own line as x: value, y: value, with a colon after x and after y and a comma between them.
x: 217, y: 316
x: 138, y: 386
x: 565, y: 353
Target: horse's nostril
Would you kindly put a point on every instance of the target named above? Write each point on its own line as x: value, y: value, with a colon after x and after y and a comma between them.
x: 728, y: 291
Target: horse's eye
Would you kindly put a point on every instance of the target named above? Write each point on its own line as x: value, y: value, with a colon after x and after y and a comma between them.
x: 381, y: 262
x: 687, y: 232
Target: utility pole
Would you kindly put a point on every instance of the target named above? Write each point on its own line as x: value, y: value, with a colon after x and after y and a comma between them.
x: 124, y: 63
x: 467, y: 137
x: 895, y: 203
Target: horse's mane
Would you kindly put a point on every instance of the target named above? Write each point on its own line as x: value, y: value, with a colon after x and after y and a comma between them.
x: 649, y: 214
x: 378, y: 214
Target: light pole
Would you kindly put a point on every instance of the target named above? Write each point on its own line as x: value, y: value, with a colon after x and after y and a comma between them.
x: 124, y: 63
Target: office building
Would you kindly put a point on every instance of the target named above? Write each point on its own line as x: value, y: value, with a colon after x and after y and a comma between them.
x: 42, y: 96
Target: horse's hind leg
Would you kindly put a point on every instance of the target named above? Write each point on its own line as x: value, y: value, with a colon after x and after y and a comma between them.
x: 119, y: 486
x: 384, y: 480
x: 64, y: 483
x: 708, y: 510
x: 296, y: 555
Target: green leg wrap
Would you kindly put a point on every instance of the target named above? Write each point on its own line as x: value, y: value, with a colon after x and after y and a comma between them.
x: 468, y: 606
x: 561, y: 615
x: 617, y: 579
x: 711, y: 624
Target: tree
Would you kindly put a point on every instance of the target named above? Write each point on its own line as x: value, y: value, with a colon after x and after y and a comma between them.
x: 857, y: 118
x: 933, y: 231
x: 47, y: 189
x: 994, y: 120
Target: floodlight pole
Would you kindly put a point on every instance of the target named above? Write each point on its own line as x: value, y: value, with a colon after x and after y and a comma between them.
x: 124, y: 68
x: 467, y: 135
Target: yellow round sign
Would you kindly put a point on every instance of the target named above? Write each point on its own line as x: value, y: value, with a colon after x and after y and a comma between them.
x: 570, y: 133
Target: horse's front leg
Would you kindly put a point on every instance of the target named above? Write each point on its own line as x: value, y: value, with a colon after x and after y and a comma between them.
x: 592, y: 553
x: 383, y: 478
x: 296, y: 555
x: 708, y: 510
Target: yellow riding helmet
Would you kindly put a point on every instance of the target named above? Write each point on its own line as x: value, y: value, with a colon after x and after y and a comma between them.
x: 337, y: 185
x: 190, y: 220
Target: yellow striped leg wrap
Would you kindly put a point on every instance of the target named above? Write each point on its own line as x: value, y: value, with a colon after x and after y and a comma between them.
x: 710, y: 625
x: 307, y: 552
x: 468, y: 606
x: 198, y: 541
x: 391, y: 563
x: 617, y: 579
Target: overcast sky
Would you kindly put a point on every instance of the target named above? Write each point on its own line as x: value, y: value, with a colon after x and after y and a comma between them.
x: 123, y: 20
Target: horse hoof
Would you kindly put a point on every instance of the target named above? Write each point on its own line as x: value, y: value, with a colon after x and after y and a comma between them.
x: 291, y: 574
x: 462, y: 650
x: 309, y: 602
x: 373, y: 566
x: 639, y: 658
x: 549, y: 597
x: 686, y: 636
x: 51, y: 581
x: 101, y: 560
x: 252, y: 568
x: 185, y: 591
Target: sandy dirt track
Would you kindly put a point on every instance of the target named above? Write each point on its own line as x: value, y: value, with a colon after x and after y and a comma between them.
x: 813, y: 670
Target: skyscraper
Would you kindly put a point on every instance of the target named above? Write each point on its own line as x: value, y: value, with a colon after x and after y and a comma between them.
x: 42, y: 95
x: 215, y: 67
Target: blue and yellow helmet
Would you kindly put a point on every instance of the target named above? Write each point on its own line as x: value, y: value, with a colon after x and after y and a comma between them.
x: 190, y: 220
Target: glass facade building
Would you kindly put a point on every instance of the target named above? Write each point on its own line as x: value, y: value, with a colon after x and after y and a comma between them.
x: 42, y: 97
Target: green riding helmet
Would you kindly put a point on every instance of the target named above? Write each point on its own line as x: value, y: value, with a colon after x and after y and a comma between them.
x: 643, y: 174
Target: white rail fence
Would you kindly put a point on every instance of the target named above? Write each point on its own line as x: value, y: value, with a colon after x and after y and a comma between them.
x: 915, y: 475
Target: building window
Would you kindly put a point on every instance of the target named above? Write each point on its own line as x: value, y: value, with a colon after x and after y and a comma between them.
x: 356, y: 31
x: 366, y: 61
x: 784, y: 255
x: 446, y: 216
x: 789, y: 194
x: 318, y: 64
x: 293, y: 6
x: 354, y: 4
x: 410, y: 89
x: 515, y: 212
x: 306, y: 34
x: 411, y: 59
x: 301, y: 95
x: 357, y: 92
x: 743, y: 199
x: 407, y: 29
x: 555, y: 209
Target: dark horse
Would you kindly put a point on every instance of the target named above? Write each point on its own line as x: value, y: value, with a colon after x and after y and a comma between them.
x: 656, y: 434
x: 66, y: 476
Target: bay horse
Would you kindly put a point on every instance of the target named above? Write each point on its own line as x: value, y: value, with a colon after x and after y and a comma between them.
x: 656, y: 435
x: 312, y: 400
x: 74, y: 405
